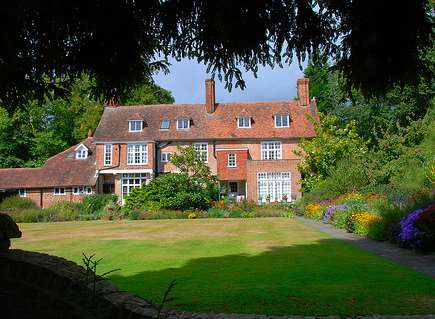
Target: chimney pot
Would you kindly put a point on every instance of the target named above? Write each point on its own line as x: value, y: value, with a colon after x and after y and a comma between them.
x: 303, y: 89
x: 210, y: 97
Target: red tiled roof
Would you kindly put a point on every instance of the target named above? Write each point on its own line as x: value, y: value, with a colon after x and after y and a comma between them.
x: 62, y: 169
x: 221, y: 124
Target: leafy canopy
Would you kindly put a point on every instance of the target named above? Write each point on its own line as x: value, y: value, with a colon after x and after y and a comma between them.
x: 331, y: 144
x: 120, y: 42
x: 40, y: 129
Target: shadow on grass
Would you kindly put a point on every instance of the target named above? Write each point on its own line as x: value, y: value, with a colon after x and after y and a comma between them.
x: 322, y: 278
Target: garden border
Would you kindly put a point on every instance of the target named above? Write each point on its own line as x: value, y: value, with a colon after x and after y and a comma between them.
x: 421, y: 263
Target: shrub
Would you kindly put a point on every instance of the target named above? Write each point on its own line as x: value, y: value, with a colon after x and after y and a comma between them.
x: 32, y: 215
x: 368, y: 224
x: 217, y: 212
x: 171, y: 191
x: 96, y: 202
x: 64, y: 211
x: 16, y: 203
x: 313, y: 211
x: 328, y: 214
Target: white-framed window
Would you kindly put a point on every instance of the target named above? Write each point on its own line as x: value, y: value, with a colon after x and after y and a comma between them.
x: 232, y: 160
x: 233, y: 186
x: 165, y: 124
x: 201, y: 151
x: 132, y: 180
x: 244, y: 122
x: 137, y: 154
x: 165, y: 157
x: 59, y: 191
x: 107, y: 154
x: 135, y: 126
x: 274, y: 186
x: 282, y: 120
x: 183, y: 123
x: 79, y: 190
x: 271, y: 150
x: 22, y: 192
x: 82, y: 152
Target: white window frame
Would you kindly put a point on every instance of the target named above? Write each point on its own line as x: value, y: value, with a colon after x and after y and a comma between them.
x: 242, y: 123
x: 279, y: 120
x: 274, y: 185
x: 232, y: 160
x: 88, y: 190
x: 22, y: 192
x: 82, y: 153
x: 76, y: 190
x: 165, y: 157
x: 201, y: 149
x: 271, y: 150
x: 57, y: 191
x: 107, y: 154
x: 132, y: 126
x: 183, y: 120
x: 137, y: 154
x: 165, y: 128
x: 129, y: 181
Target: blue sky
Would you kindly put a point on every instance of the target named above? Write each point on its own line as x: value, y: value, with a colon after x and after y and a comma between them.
x: 186, y: 82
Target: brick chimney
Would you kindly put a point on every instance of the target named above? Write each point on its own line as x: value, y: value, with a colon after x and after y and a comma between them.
x: 303, y: 91
x: 210, y: 97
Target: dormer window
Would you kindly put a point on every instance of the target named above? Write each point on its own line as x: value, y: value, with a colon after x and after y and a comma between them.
x: 244, y: 122
x: 183, y: 123
x: 282, y: 120
x: 82, y: 152
x: 165, y: 124
x: 135, y: 126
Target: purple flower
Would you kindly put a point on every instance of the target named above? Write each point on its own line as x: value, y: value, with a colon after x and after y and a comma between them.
x: 409, y: 232
x: 328, y: 214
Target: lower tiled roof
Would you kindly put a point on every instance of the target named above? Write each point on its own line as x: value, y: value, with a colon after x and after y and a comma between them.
x: 62, y: 169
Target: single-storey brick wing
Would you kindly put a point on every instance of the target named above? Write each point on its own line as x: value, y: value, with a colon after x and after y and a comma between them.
x: 249, y: 146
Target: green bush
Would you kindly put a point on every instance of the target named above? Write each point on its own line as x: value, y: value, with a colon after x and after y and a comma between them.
x: 96, y: 202
x: 341, y: 218
x: 16, y: 203
x: 177, y: 191
x: 32, y: 215
x: 217, y: 212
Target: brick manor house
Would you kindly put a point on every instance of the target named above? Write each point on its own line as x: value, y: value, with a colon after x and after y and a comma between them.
x: 250, y: 146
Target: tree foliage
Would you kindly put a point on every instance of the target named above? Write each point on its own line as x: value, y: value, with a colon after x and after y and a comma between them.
x: 332, y: 144
x: 120, y: 42
x: 38, y: 130
x: 187, y: 161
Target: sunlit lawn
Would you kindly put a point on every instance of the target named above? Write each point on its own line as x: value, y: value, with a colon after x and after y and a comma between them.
x: 263, y: 266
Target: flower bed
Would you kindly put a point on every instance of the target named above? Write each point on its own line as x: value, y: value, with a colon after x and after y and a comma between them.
x: 362, y: 215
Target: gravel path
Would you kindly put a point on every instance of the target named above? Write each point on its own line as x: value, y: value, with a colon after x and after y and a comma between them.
x: 418, y: 262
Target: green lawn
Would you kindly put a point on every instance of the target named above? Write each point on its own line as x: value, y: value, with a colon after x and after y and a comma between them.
x: 263, y: 266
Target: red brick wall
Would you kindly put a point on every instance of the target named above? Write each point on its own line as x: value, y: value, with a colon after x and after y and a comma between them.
x: 226, y: 173
x: 48, y: 197
x: 254, y: 167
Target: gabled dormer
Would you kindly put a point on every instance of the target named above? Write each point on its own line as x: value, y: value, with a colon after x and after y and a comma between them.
x: 82, y: 151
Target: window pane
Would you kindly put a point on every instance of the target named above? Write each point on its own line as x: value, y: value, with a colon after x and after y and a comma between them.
x: 165, y: 124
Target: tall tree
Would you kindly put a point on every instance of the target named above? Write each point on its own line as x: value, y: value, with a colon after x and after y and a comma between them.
x: 374, y: 43
x: 39, y: 130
